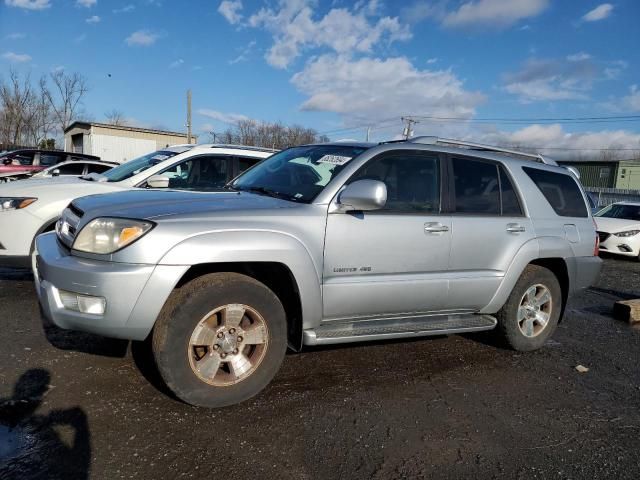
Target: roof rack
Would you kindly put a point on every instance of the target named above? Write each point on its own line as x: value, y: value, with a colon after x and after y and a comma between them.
x: 243, y: 147
x: 429, y: 140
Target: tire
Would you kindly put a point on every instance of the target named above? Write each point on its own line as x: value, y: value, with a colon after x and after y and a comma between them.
x: 520, y: 320
x: 204, y: 368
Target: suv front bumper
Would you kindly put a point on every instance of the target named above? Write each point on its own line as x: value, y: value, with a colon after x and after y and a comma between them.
x: 134, y: 293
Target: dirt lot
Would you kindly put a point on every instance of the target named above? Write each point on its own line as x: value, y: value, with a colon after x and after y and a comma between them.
x: 78, y: 406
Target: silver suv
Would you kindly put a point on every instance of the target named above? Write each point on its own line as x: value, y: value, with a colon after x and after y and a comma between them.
x: 323, y: 244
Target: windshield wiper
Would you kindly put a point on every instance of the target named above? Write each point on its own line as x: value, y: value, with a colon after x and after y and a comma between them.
x: 269, y: 193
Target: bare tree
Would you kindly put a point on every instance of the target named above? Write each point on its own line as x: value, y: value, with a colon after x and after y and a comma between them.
x: 65, y: 96
x: 115, y: 117
x: 270, y: 135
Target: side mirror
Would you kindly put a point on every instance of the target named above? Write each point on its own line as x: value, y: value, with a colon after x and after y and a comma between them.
x: 55, y: 173
x: 158, y: 181
x: 363, y: 195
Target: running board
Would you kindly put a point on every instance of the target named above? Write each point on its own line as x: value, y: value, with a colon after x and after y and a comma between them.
x: 383, y: 329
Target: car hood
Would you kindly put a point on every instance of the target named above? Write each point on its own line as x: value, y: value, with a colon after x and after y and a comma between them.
x: 39, y: 186
x: 612, y: 225
x: 153, y: 204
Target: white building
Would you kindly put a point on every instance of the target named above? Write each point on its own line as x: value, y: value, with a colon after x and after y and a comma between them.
x: 118, y: 143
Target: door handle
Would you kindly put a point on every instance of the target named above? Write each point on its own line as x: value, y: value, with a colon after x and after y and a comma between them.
x: 435, y: 227
x: 515, y: 228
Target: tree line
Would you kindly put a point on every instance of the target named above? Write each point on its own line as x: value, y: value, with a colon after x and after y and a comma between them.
x: 34, y: 113
x: 267, y: 134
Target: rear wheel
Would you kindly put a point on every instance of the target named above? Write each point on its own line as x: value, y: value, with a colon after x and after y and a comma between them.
x: 220, y: 339
x: 531, y: 313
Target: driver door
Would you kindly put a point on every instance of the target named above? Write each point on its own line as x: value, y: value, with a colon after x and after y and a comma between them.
x: 393, y: 260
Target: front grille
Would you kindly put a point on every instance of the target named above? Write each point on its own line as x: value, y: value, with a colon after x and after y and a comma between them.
x: 603, y: 236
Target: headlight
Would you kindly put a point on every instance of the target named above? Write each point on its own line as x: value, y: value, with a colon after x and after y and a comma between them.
x: 628, y: 233
x: 15, y: 203
x: 108, y: 235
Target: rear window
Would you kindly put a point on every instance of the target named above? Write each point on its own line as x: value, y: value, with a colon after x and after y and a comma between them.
x: 561, y: 191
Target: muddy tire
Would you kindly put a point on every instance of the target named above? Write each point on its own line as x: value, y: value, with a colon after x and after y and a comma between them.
x: 220, y: 339
x: 531, y: 313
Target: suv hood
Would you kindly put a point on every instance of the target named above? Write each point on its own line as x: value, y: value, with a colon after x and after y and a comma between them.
x: 611, y: 225
x: 152, y: 204
x: 36, y: 186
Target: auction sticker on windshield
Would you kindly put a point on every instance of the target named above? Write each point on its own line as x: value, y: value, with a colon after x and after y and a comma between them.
x: 334, y: 159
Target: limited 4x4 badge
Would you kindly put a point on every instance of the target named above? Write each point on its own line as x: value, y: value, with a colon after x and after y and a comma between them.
x: 351, y: 269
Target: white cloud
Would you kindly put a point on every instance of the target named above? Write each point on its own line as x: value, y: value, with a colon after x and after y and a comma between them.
x: 86, y: 3
x: 632, y: 101
x: 80, y: 38
x: 555, y: 139
x: 142, y: 38
x: 16, y: 36
x: 494, y: 12
x: 345, y: 31
x: 230, y: 9
x: 222, y: 116
x: 372, y: 89
x: 550, y: 79
x: 178, y: 63
x: 243, y: 56
x: 93, y: 19
x: 28, y: 4
x: 599, y: 13
x: 431, y: 61
x: 125, y: 9
x: 16, y: 57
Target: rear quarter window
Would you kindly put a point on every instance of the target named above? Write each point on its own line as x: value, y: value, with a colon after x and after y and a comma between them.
x: 561, y: 191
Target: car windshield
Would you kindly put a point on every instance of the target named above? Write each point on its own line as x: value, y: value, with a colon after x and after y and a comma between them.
x: 627, y: 212
x: 134, y: 167
x: 298, y: 174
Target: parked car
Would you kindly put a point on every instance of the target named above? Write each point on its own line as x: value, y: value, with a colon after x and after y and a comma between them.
x: 30, y: 207
x: 618, y: 227
x: 34, y: 160
x: 322, y: 244
x: 71, y: 168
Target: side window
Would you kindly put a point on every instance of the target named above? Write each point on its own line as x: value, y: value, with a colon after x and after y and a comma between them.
x: 246, y: 163
x: 49, y: 159
x: 510, y: 203
x: 199, y: 173
x: 477, y: 187
x: 412, y: 180
x: 23, y: 158
x: 75, y: 169
x: 560, y: 190
x: 93, y: 168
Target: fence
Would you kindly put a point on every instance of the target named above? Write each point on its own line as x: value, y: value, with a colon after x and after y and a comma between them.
x: 606, y: 196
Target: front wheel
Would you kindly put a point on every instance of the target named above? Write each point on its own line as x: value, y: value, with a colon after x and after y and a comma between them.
x: 220, y: 339
x: 531, y: 313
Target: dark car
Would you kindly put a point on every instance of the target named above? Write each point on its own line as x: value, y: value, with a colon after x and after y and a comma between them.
x: 34, y: 160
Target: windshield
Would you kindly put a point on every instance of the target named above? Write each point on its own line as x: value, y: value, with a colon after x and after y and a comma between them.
x: 627, y: 212
x: 134, y: 167
x: 299, y: 173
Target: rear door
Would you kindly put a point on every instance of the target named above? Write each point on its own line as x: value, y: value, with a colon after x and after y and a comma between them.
x: 393, y: 260
x: 488, y: 229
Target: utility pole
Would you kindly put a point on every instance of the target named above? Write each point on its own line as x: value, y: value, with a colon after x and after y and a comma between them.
x: 408, y: 129
x: 368, y: 133
x: 189, y: 116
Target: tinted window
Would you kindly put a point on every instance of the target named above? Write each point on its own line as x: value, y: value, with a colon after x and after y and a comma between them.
x: 199, y: 173
x: 510, y: 203
x: 93, y: 168
x: 477, y: 188
x: 22, y: 158
x: 627, y: 212
x: 49, y: 159
x: 412, y: 180
x: 71, y: 169
x: 561, y: 191
x: 246, y: 163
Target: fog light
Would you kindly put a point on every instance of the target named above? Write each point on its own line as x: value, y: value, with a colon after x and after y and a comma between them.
x: 82, y: 303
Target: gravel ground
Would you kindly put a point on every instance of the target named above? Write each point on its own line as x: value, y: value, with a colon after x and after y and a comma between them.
x: 78, y: 406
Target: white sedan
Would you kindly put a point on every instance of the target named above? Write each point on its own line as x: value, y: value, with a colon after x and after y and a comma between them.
x: 30, y: 207
x: 618, y: 227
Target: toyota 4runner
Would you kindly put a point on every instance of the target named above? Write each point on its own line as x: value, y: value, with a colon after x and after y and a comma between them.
x: 323, y: 244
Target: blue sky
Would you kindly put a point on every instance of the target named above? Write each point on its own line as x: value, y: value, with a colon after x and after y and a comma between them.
x: 338, y: 66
